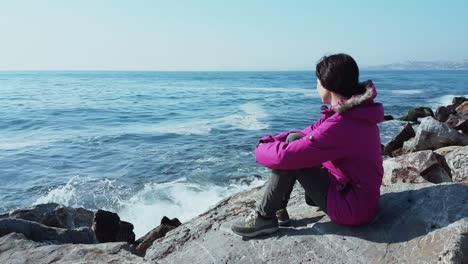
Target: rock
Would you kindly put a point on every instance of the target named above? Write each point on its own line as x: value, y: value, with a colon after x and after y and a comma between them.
x: 421, y: 223
x: 406, y: 132
x: 446, y: 150
x: 418, y: 112
x: 442, y: 113
x: 432, y: 134
x: 457, y: 160
x: 456, y: 101
x: 388, y: 117
x: 462, y: 108
x: 458, y: 121
x: 160, y: 231
x: 109, y: 228
x: 55, y: 215
x: 39, y: 232
x: 15, y: 248
x: 125, y: 233
x: 417, y: 167
x: 106, y: 226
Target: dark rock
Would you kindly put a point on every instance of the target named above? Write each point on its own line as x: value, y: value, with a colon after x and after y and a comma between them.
x: 160, y: 231
x: 16, y: 248
x: 406, y: 132
x: 442, y: 113
x: 174, y: 222
x: 457, y: 160
x: 456, y: 101
x: 432, y: 134
x: 458, y: 121
x: 39, y: 232
x: 55, y: 215
x: 126, y: 233
x: 388, y: 117
x: 418, y: 112
x: 416, y: 223
x: 417, y: 167
x: 106, y: 225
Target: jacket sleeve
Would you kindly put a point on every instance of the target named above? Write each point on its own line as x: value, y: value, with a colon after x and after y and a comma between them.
x: 322, y: 144
x: 282, y: 137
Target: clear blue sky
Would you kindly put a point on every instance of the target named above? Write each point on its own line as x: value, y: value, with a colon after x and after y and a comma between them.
x: 225, y: 34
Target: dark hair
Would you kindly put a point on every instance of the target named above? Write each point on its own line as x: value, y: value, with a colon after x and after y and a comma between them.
x: 339, y: 73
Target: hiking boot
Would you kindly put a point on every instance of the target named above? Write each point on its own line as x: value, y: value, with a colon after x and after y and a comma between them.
x: 282, y: 216
x: 255, y: 225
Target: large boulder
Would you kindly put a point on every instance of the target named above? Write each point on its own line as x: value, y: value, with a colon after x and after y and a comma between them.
x: 39, y: 232
x: 16, y: 248
x: 417, y: 112
x: 457, y: 160
x: 55, y: 215
x: 417, y: 223
x: 417, y: 167
x: 406, y: 132
x: 432, y: 134
x: 446, y: 150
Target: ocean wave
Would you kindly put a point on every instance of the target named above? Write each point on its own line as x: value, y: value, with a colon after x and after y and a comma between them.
x: 444, y: 100
x: 249, y: 119
x: 145, y: 207
x: 404, y: 92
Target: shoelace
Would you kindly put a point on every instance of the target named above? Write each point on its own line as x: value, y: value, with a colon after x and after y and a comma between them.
x: 252, y: 217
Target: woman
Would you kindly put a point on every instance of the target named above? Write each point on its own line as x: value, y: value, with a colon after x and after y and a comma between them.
x: 337, y: 160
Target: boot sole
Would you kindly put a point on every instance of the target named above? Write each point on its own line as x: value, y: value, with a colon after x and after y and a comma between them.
x: 267, y: 231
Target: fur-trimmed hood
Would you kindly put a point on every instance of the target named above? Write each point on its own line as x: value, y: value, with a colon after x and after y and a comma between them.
x: 368, y: 110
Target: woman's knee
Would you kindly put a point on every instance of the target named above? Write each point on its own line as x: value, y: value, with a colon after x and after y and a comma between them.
x: 293, y: 136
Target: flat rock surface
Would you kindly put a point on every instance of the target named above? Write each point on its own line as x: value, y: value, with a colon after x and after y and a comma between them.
x: 16, y: 249
x: 417, y: 223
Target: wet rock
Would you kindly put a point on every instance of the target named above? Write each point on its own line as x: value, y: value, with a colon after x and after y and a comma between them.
x: 457, y: 160
x: 456, y: 101
x: 442, y: 113
x: 416, y: 223
x: 16, y: 248
x: 417, y: 167
x: 109, y: 228
x: 147, y: 240
x: 418, y: 112
x: 406, y: 132
x: 39, y: 232
x: 106, y: 225
x: 432, y: 134
x: 55, y: 215
x: 388, y: 117
x: 125, y: 233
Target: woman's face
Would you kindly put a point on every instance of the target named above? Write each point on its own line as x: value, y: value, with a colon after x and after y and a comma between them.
x: 324, y: 94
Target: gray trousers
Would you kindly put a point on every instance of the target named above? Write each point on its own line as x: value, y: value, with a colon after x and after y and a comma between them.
x: 314, y: 180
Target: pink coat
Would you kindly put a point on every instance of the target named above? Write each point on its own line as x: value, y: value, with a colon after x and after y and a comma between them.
x: 346, y: 141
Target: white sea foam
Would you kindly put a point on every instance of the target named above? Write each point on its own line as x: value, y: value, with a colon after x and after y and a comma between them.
x: 445, y: 100
x: 195, y: 127
x: 14, y: 144
x: 306, y: 92
x: 405, y: 92
x: 145, y: 207
x: 249, y: 118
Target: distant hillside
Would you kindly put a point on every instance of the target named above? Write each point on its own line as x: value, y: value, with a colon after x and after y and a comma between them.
x: 423, y: 65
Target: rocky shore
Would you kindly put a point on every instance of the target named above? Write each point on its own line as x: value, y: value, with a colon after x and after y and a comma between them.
x: 423, y: 216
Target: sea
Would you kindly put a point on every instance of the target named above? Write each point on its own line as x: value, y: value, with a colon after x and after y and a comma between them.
x: 154, y: 144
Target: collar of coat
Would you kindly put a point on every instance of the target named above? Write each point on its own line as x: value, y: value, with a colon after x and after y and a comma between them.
x: 345, y: 105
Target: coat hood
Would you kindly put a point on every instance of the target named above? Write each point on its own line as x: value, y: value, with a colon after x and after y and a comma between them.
x: 361, y: 107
